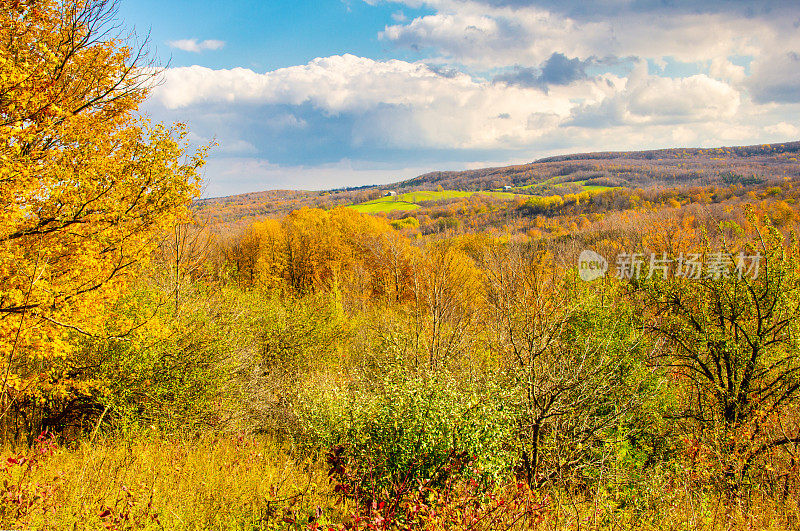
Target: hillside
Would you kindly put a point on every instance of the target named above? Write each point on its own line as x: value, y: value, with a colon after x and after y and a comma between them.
x: 590, y: 341
x: 747, y: 166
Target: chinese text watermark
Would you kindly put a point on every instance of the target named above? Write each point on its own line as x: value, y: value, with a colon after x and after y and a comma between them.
x: 592, y: 265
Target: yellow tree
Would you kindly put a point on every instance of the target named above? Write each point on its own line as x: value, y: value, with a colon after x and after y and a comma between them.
x: 446, y: 288
x: 86, y: 186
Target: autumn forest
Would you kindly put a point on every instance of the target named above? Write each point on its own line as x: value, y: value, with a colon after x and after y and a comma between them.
x: 590, y: 341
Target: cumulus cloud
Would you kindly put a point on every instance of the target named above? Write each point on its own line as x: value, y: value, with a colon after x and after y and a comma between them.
x: 722, y: 68
x: 335, y: 84
x: 382, y: 107
x: 391, y: 103
x: 500, y: 33
x: 557, y: 70
x: 195, y: 46
x: 784, y: 130
x: 551, y: 42
x: 501, y: 80
x: 486, y: 39
x: 776, y: 78
x: 647, y: 99
x: 745, y: 8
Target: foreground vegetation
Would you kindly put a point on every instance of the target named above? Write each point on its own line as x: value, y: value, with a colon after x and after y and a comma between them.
x: 327, y: 369
x: 253, y: 483
x: 379, y: 381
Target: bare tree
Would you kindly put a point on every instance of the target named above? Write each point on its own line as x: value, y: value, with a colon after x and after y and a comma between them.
x: 185, y: 252
x: 733, y: 338
x: 446, y: 287
x: 565, y: 361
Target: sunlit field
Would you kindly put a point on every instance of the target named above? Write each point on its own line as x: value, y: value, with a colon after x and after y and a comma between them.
x: 410, y: 200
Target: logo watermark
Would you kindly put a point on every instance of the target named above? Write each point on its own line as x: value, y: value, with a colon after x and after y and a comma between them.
x: 592, y: 265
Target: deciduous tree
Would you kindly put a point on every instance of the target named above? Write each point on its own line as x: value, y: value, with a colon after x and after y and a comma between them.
x: 86, y: 186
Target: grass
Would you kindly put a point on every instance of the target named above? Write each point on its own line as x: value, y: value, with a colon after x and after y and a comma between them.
x: 586, y: 187
x: 164, y: 483
x: 231, y: 482
x: 410, y: 200
x: 384, y: 204
x: 597, y: 188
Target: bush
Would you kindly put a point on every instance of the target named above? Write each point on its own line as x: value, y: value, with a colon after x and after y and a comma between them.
x: 169, y: 372
x: 408, y: 426
x: 284, y: 340
x: 449, y: 500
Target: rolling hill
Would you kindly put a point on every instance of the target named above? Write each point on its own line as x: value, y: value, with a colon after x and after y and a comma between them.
x: 746, y: 166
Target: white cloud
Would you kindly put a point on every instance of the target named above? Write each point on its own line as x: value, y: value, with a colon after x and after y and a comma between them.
x: 776, y: 78
x: 240, y: 175
x: 398, y: 105
x: 647, y: 99
x: 720, y: 78
x: 784, y: 130
x: 721, y: 68
x: 484, y: 36
x: 693, y: 98
x: 195, y: 46
x: 393, y: 103
x: 477, y: 38
x: 335, y: 84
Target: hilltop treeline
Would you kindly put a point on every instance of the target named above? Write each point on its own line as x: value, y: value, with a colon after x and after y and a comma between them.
x: 647, y: 168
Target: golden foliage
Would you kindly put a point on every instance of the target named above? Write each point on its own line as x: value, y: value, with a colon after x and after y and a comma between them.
x: 85, y: 185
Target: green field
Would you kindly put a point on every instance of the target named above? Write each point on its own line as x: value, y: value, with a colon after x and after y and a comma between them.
x: 597, y: 188
x: 586, y: 187
x: 410, y: 200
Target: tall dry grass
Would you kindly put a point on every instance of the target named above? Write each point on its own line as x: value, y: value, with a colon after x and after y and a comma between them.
x: 231, y: 482
x: 161, y: 483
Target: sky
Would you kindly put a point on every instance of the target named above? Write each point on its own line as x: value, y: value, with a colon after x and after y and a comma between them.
x: 334, y: 93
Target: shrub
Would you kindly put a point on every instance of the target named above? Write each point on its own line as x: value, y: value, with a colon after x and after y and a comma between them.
x: 407, y: 426
x: 448, y: 500
x: 169, y: 371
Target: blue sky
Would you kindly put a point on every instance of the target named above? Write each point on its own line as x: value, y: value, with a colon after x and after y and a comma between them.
x: 265, y: 35
x: 334, y: 93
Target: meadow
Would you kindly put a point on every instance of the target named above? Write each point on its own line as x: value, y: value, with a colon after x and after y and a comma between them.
x: 410, y: 200
x: 237, y: 482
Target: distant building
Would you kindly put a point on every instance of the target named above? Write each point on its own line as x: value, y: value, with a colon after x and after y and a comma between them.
x: 390, y: 193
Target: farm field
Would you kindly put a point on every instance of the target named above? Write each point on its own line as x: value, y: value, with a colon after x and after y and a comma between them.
x: 583, y: 184
x: 409, y: 201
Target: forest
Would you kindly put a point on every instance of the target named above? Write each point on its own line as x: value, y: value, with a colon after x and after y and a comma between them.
x: 283, y: 361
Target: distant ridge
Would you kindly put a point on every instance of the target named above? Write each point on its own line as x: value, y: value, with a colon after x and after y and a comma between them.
x: 675, y: 167
x: 741, y: 151
x: 496, y: 176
